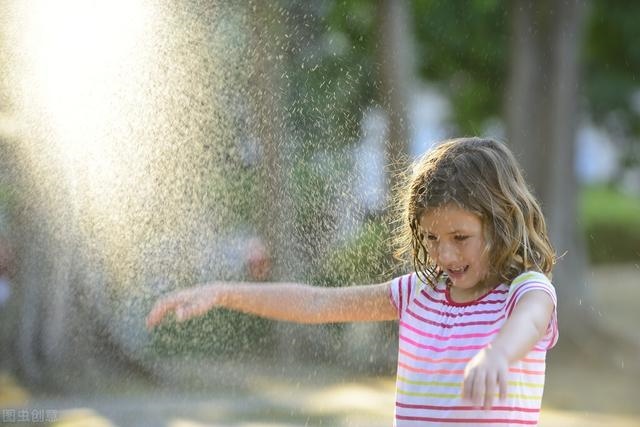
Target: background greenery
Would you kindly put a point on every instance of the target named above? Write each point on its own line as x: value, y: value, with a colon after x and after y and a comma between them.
x: 466, y: 56
x: 331, y: 79
x: 611, y: 223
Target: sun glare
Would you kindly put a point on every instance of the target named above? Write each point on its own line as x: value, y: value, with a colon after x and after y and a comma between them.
x: 81, y: 56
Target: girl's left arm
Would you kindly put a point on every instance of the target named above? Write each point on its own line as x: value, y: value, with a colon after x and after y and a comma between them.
x: 487, y: 372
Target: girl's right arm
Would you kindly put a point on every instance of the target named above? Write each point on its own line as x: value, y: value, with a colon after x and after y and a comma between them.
x: 280, y: 301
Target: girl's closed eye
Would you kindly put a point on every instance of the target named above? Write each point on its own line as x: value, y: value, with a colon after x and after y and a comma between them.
x: 461, y: 238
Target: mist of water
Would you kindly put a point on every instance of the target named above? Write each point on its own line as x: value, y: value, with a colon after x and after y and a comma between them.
x: 149, y: 147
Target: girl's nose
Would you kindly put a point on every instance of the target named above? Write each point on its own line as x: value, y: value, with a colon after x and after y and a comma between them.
x: 447, y: 254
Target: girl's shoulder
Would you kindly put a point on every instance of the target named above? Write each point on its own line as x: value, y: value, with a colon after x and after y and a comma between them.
x: 528, y: 281
x: 438, y: 287
x: 412, y: 284
x: 529, y: 276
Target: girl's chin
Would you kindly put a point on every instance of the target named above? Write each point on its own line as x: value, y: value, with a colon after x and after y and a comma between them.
x: 461, y: 277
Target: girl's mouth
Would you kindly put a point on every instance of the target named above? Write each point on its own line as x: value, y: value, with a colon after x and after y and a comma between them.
x: 457, y: 273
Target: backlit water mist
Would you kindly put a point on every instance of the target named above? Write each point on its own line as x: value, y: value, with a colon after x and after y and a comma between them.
x: 122, y: 120
x: 146, y: 150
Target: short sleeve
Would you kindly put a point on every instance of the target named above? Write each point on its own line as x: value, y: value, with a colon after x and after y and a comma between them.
x: 535, y: 281
x: 400, y: 292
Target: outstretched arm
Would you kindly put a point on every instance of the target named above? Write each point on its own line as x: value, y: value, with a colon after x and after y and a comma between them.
x: 280, y: 301
x: 487, y: 372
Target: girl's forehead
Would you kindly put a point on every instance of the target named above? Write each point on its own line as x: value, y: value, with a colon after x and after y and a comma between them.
x: 450, y: 217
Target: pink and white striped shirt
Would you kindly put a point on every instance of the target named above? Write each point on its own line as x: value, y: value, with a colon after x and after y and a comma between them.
x: 439, y: 336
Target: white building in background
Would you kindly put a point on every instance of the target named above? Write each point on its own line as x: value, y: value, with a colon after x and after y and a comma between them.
x: 369, y: 160
x: 597, y: 156
x: 428, y: 113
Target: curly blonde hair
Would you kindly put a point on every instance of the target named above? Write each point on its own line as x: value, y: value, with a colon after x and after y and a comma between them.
x: 481, y: 176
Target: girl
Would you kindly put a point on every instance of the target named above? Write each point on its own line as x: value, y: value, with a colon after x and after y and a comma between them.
x: 476, y: 317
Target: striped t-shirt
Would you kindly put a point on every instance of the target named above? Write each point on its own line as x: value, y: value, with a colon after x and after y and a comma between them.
x: 438, y: 337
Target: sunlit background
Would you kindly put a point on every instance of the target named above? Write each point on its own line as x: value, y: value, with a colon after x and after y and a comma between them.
x: 81, y: 65
x: 148, y: 146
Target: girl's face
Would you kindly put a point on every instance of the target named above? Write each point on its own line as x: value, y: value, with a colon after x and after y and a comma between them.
x: 455, y: 240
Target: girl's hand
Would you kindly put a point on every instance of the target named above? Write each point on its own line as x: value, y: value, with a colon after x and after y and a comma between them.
x: 185, y: 304
x: 484, y: 375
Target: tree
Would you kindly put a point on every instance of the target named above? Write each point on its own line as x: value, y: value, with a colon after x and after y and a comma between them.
x: 541, y: 109
x: 394, y: 54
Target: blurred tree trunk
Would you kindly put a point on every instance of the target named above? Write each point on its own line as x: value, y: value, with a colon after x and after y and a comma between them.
x: 58, y: 331
x: 395, y: 50
x: 40, y: 226
x: 394, y: 54
x: 542, y: 117
x: 268, y: 128
x: 266, y: 92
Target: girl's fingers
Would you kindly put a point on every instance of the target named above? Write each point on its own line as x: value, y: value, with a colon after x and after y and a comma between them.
x: 490, y: 391
x: 479, y: 383
x: 502, y: 382
x: 157, y: 313
x: 481, y: 388
x: 184, y: 304
x: 484, y: 380
x: 161, y: 308
x: 190, y: 310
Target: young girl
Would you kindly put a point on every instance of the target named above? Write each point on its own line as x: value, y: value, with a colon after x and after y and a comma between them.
x: 476, y: 317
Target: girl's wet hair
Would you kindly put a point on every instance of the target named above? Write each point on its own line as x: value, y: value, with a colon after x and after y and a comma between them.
x: 483, y: 177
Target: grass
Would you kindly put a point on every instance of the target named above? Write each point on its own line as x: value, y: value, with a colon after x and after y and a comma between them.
x: 611, y: 222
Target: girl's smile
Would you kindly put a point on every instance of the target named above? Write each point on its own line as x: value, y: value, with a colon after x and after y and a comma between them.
x: 455, y: 240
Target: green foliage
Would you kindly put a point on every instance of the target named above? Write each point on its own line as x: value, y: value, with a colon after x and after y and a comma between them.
x: 464, y: 46
x: 331, y: 72
x: 364, y: 259
x: 611, y: 223
x: 218, y: 334
x: 612, y: 58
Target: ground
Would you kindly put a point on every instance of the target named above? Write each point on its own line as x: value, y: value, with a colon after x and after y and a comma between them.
x: 581, y: 391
